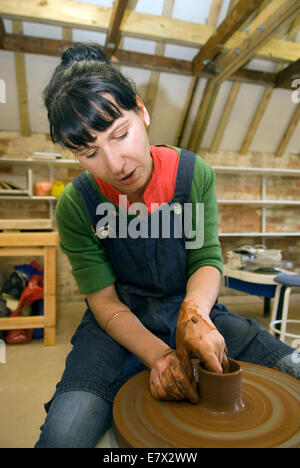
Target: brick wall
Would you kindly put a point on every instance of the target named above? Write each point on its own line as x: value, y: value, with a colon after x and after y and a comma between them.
x: 231, y: 218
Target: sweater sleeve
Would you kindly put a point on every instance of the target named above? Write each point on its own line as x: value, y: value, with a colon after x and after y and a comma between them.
x: 203, y: 191
x: 90, y: 265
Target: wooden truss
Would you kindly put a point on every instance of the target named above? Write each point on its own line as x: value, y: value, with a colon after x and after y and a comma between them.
x: 250, y: 30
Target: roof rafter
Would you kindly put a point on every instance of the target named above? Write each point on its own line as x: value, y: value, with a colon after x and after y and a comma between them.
x: 260, y: 31
x: 212, y: 20
x: 113, y: 34
x: 20, y: 67
x: 2, y: 33
x: 54, y: 47
x: 292, y: 33
x: 289, y: 132
x: 237, y: 16
x: 288, y: 74
x: 262, y: 27
x: 144, y: 26
x: 152, y: 87
x: 232, y: 98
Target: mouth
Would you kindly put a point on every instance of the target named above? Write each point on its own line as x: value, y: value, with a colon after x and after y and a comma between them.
x: 129, y: 178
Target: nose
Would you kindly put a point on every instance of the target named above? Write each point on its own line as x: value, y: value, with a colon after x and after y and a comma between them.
x: 114, y: 161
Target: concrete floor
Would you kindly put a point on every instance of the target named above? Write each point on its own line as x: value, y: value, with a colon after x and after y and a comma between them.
x: 29, y: 376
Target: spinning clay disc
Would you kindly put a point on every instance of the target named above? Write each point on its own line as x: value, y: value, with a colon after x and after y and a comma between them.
x: 270, y: 416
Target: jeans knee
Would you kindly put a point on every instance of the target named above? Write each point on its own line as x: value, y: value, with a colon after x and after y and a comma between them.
x: 75, y: 419
x: 290, y: 365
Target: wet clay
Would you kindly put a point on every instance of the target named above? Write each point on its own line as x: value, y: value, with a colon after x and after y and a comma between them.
x: 191, y: 329
x: 189, y: 313
x: 187, y: 320
x: 269, y: 417
x: 221, y: 392
x: 174, y: 380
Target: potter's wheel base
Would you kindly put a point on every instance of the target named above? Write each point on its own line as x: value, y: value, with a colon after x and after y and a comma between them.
x: 270, y: 416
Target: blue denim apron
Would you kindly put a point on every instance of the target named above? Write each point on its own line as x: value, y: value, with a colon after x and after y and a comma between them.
x: 151, y: 281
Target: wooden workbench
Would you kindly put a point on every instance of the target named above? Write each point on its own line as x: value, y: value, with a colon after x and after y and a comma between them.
x: 41, y: 244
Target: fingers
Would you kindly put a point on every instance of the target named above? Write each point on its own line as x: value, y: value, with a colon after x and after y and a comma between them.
x: 212, y: 363
x: 213, y: 352
x: 164, y: 387
x: 172, y: 383
x: 184, y: 358
x: 186, y: 387
x: 225, y: 362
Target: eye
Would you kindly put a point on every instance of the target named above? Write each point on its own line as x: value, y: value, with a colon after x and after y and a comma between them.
x: 92, y: 155
x: 121, y: 137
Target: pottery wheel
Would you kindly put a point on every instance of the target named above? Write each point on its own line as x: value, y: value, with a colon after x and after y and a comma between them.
x: 270, y: 417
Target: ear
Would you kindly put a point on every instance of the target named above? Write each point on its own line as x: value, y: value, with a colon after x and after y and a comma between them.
x: 144, y: 113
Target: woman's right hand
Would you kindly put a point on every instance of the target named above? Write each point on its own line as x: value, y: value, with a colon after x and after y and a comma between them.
x: 169, y: 381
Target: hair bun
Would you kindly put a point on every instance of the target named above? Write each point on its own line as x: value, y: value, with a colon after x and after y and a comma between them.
x: 81, y: 52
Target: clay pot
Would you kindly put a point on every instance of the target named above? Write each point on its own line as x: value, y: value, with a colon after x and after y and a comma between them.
x: 221, y: 392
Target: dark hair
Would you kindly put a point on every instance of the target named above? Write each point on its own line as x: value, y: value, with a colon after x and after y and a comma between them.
x: 78, y: 97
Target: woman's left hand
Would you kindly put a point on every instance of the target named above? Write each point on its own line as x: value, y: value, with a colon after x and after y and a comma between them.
x: 169, y: 381
x: 197, y: 336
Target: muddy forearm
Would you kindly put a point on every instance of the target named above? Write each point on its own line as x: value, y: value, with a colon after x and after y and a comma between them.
x: 203, y: 289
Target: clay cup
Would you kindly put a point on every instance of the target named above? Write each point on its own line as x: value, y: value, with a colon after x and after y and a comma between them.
x: 221, y: 392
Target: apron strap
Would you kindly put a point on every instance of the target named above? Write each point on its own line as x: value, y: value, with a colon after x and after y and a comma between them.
x: 185, y: 174
x: 88, y: 194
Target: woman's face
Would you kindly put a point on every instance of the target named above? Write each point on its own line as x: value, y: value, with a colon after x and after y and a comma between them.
x: 121, y: 155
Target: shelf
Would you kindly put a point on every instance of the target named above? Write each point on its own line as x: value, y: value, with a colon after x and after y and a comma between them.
x: 25, y: 244
x: 260, y: 202
x: 13, y: 193
x: 257, y: 171
x: 259, y: 234
x: 219, y: 169
x: 38, y: 162
x: 31, y: 198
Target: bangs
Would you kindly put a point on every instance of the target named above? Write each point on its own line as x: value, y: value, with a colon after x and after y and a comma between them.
x: 80, y: 112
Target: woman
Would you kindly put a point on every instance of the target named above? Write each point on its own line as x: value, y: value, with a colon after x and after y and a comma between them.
x: 151, y: 298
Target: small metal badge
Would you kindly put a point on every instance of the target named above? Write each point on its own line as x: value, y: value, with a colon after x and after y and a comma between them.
x: 104, y: 231
x: 177, y: 208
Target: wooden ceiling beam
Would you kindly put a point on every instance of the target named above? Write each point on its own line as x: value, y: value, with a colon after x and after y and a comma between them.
x: 286, y: 76
x: 233, y: 21
x: 214, y: 12
x: 201, y: 118
x: 113, y: 34
x: 2, y: 33
x: 260, y: 31
x: 293, y: 124
x: 20, y: 67
x: 232, y: 97
x: 54, y: 47
x: 292, y: 34
x: 144, y: 26
x: 153, y: 84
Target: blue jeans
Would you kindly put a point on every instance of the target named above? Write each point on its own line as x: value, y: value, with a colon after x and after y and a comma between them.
x: 76, y: 419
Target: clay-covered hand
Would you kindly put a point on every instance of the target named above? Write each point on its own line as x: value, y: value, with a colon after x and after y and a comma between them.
x: 197, y: 336
x: 169, y: 381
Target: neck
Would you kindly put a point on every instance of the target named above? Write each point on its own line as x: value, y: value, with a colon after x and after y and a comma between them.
x: 137, y: 196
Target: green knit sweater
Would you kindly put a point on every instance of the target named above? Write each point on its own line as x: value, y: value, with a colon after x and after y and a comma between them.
x: 91, y: 267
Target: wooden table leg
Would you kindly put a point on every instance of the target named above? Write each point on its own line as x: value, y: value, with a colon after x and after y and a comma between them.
x: 50, y: 295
